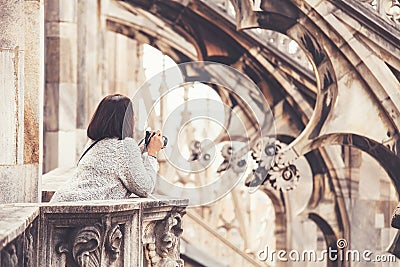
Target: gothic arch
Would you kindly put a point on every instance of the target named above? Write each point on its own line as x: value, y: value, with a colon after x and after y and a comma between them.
x: 298, y: 19
x: 382, y: 154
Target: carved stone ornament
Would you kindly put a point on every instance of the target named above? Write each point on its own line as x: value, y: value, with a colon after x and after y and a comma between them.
x: 162, y: 248
x: 86, y: 244
x: 113, y: 242
x: 272, y: 166
x: 19, y: 252
x: 9, y: 256
x: 28, y: 247
x: 388, y: 9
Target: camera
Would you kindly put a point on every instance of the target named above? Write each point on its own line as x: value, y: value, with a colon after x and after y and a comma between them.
x: 149, y: 135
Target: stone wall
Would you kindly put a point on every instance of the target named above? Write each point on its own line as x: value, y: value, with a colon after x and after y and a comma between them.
x: 21, y: 80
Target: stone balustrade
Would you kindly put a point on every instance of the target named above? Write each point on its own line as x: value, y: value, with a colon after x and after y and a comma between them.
x: 132, y: 232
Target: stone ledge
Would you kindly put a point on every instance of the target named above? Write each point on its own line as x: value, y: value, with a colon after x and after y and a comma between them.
x: 14, y: 220
x: 105, y: 206
x: 161, y: 201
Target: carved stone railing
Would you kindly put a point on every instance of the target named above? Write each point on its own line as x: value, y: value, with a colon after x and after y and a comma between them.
x: 132, y: 232
x: 387, y: 9
x: 18, y: 235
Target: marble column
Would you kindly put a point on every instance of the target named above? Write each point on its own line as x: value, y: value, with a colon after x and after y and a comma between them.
x: 124, y: 68
x: 60, y: 107
x: 21, y: 51
x: 89, y: 89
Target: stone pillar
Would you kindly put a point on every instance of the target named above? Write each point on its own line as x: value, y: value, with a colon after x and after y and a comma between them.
x: 124, y: 64
x: 136, y: 75
x: 12, y: 45
x: 20, y: 112
x: 88, y: 70
x: 60, y: 107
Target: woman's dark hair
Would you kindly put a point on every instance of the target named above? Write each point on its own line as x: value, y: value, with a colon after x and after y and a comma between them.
x: 113, y: 118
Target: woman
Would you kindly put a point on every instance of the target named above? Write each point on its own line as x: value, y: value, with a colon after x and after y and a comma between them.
x: 112, y: 166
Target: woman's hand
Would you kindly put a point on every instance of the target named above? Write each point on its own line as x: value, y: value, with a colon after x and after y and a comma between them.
x: 156, y: 144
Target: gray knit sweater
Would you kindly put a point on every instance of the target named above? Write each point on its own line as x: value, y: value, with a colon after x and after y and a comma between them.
x: 111, y: 169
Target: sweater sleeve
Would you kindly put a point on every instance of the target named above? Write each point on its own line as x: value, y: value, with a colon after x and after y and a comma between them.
x: 137, y: 173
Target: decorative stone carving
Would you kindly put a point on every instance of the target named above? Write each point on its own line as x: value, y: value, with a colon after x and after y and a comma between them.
x: 390, y: 9
x: 19, y: 252
x: 28, y: 247
x: 9, y: 257
x: 113, y: 242
x: 161, y: 240
x: 273, y: 166
x: 86, y: 244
